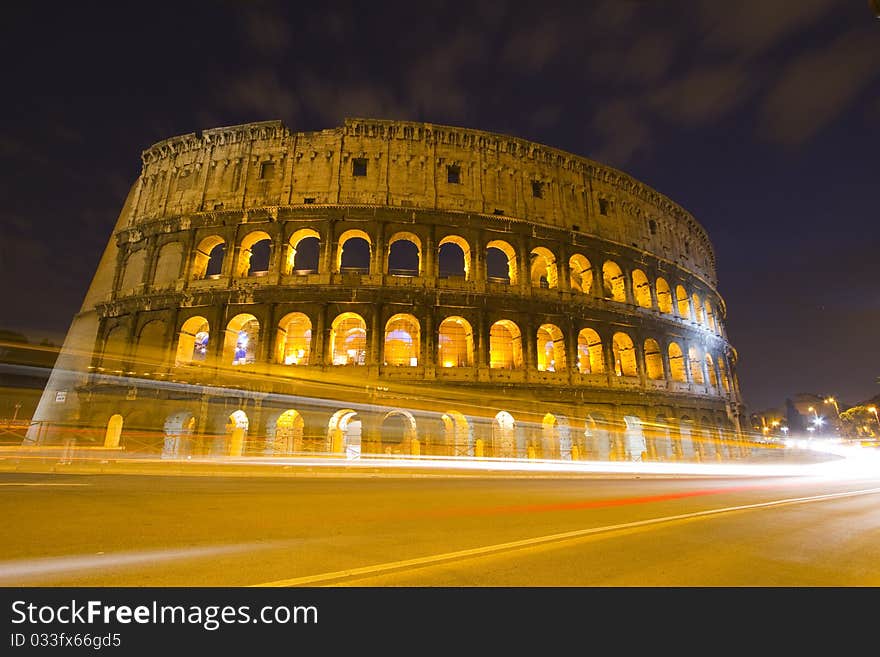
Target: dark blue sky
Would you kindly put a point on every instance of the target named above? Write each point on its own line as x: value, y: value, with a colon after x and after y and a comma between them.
x: 761, y: 117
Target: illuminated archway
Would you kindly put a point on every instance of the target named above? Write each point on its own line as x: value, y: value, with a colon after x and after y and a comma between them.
x: 664, y: 296
x: 455, y: 343
x: 551, y: 349
x: 114, y: 432
x: 402, y: 341
x: 697, y: 308
x: 624, y: 355
x: 241, y: 340
x: 543, y: 268
x: 354, y: 252
x: 722, y: 374
x: 303, y: 254
x: 653, y: 360
x: 253, y: 256
x: 696, y: 365
x: 113, y: 353
x: 192, y: 341
x: 613, y: 282
x: 348, y: 340
x: 168, y: 264
x: 505, y: 345
x: 581, y: 273
x: 684, y: 304
x: 294, y: 339
x: 641, y: 289
x: 503, y: 273
x: 178, y: 428
x: 208, y: 258
x: 458, y: 433
x: 676, y: 363
x: 454, y: 257
x: 404, y: 254
x: 710, y: 370
x: 344, y: 433
x: 288, y: 433
x: 503, y: 435
x: 237, y: 425
x: 591, y: 357
x: 710, y: 316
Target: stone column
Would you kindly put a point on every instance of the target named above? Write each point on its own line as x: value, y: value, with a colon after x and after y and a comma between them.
x: 563, y: 274
x: 318, y: 347
x: 376, y: 334
x: 379, y: 259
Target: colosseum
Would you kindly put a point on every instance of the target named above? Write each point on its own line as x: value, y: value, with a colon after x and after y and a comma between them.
x: 391, y: 287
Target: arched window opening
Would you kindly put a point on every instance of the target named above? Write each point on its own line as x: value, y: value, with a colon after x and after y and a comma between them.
x: 676, y: 363
x: 168, y: 264
x: 504, y: 434
x: 641, y: 289
x: 242, y: 340
x: 505, y: 345
x: 454, y: 257
x: 653, y: 360
x: 402, y: 341
x: 696, y: 365
x: 710, y: 316
x: 192, y: 343
x: 114, y: 350
x: 501, y: 262
x: 133, y: 272
x: 551, y: 349
x: 664, y: 296
x: 344, y: 433
x: 404, y: 255
x: 303, y: 252
x: 294, y: 339
x: 710, y: 370
x: 253, y: 257
x: 722, y: 374
x: 591, y: 359
x: 208, y: 259
x: 151, y: 347
x: 624, y: 355
x: 543, y: 268
x: 354, y: 252
x: 236, y: 429
x: 684, y: 305
x: 613, y: 282
x: 348, y: 340
x: 114, y: 431
x: 698, y: 309
x: 288, y: 433
x: 581, y: 276
x: 455, y: 343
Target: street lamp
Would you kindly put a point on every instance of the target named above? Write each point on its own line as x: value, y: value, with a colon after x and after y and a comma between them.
x: 832, y: 400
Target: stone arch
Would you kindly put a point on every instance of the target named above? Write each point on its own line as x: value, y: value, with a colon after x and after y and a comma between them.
x: 208, y: 258
x: 168, y: 264
x: 551, y: 348
x: 597, y: 437
x: 504, y: 435
x: 591, y: 355
x: 709, y: 315
x: 401, y: 340
x: 677, y: 369
x: 660, y: 439
x: 113, y: 434
x: 641, y: 289
x: 581, y: 273
x: 635, y: 445
x: 683, y: 302
x: 151, y: 347
x: 505, y: 345
x: 303, y: 253
x: 509, y: 253
x: 348, y: 340
x: 344, y: 433
x: 284, y: 434
x: 294, y: 339
x: 613, y: 282
x: 399, y: 433
x: 664, y: 296
x: 710, y: 371
x: 353, y: 258
x: 192, y: 341
x: 133, y: 270
x: 624, y: 352
x: 455, y: 343
x: 556, y: 437
x: 452, y: 250
x: 236, y: 430
x: 685, y: 438
x: 241, y: 340
x: 405, y: 252
x: 114, y: 351
x: 255, y: 243
x: 179, y: 428
x: 458, y: 433
x: 543, y: 270
x: 697, y: 308
x: 653, y: 360
x: 696, y: 365
x: 722, y: 374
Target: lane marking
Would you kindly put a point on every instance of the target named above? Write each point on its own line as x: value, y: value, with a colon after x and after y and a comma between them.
x: 539, y: 540
x: 25, y: 483
x: 27, y: 569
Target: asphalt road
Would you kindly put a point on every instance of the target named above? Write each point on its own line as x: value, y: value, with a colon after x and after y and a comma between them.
x: 373, y: 530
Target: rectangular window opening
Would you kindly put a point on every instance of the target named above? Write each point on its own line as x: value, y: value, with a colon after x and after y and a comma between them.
x: 453, y: 174
x: 604, y: 206
x: 359, y: 166
x: 267, y: 170
x: 309, y: 200
x: 537, y: 189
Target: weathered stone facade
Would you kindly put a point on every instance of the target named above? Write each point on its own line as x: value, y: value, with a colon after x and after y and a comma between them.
x: 604, y: 337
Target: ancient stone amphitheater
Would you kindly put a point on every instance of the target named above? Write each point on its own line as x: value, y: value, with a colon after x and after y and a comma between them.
x: 396, y: 288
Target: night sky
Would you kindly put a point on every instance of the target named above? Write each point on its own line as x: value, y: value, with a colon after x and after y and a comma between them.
x: 760, y: 117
